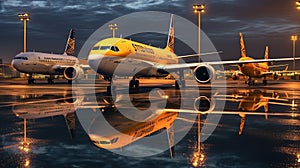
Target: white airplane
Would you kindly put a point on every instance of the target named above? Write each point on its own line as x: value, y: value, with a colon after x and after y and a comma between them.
x: 109, y: 54
x: 51, y: 64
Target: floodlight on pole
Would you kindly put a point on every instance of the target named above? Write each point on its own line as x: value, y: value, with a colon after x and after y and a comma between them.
x: 298, y: 5
x: 294, y: 38
x: 199, y: 8
x: 24, y: 17
x: 113, y: 28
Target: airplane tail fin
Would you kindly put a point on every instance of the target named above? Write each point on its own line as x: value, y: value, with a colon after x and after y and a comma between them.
x: 70, y: 46
x: 267, y: 53
x: 170, y: 43
x: 243, y: 49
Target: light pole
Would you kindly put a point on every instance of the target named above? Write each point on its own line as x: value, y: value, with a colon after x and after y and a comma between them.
x: 199, y: 8
x: 298, y: 5
x: 24, y: 17
x: 294, y: 38
x: 113, y: 28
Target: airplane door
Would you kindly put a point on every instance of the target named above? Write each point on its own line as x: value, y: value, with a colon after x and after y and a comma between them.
x: 35, y: 61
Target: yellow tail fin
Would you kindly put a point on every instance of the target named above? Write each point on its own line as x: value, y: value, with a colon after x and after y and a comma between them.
x: 170, y: 43
x: 70, y: 46
x: 242, y: 44
x: 267, y: 53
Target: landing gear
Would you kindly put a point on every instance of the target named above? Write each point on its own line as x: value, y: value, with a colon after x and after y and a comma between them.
x: 264, y: 82
x: 133, y: 83
x: 30, y: 79
x: 181, y: 81
x: 110, y: 88
x: 50, y: 79
x: 251, y: 82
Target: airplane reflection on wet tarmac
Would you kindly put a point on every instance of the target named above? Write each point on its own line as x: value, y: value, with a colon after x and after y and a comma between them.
x: 250, y: 102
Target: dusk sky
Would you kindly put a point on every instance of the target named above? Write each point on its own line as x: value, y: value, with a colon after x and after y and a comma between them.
x: 261, y: 21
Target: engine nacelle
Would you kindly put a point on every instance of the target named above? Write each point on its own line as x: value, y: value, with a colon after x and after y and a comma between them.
x: 74, y: 72
x: 204, y: 105
x: 204, y: 73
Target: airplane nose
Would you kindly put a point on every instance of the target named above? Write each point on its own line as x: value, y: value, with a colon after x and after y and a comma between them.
x: 13, y: 64
x: 94, y: 61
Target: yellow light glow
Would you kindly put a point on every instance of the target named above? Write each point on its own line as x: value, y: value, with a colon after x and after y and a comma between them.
x: 298, y: 158
x: 27, y: 163
x: 24, y: 16
x: 198, y: 159
x: 294, y: 38
x: 199, y: 8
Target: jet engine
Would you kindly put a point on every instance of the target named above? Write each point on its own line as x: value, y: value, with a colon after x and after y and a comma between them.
x: 205, y: 105
x: 74, y: 72
x: 204, y: 73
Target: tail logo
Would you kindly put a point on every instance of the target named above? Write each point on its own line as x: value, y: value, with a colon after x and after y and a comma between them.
x: 70, y: 46
x: 170, y: 44
x: 243, y: 49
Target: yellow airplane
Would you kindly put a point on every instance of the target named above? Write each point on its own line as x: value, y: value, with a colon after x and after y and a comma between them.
x: 256, y: 70
x: 123, y: 57
x: 129, y: 131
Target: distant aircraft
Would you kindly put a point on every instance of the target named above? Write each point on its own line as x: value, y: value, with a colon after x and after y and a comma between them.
x: 131, y: 57
x: 51, y: 64
x: 260, y: 69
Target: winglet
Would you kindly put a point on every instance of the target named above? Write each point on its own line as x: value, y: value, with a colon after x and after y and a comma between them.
x: 267, y: 53
x: 170, y: 43
x: 242, y: 44
x: 70, y: 46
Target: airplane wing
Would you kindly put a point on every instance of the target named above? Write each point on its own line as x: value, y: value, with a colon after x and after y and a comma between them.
x: 173, y: 67
x: 202, y: 54
x: 279, y: 72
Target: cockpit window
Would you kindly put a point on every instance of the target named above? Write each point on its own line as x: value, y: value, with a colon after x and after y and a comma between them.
x: 96, y: 48
x: 113, y: 48
x: 105, y: 48
x: 22, y: 58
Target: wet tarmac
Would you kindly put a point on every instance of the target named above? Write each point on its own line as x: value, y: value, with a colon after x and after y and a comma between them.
x: 82, y: 125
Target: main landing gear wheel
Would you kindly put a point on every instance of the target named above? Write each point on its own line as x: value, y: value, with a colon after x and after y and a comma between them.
x: 30, y: 79
x: 251, y: 83
x: 264, y: 82
x: 50, y: 81
x: 179, y: 83
x: 133, y: 83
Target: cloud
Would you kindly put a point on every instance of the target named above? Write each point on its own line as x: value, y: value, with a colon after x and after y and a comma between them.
x: 133, y: 4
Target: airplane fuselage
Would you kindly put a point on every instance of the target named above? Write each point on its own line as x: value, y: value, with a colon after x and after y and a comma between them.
x: 131, y: 131
x: 255, y: 70
x: 122, y: 57
x: 42, y: 63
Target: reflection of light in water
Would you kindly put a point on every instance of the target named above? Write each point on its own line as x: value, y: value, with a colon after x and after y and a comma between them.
x: 27, y: 162
x: 198, y: 159
x: 294, y: 109
x: 24, y: 146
